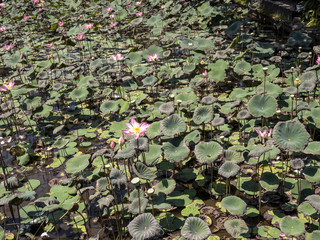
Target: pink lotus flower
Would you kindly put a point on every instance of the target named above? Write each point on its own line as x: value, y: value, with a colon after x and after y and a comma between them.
x: 121, y: 140
x: 135, y: 128
x: 79, y: 37
x: 205, y: 73
x: 109, y: 9
x: 35, y: 1
x: 152, y: 58
x: 113, y: 24
x: 138, y: 3
x: 139, y: 14
x: 318, y: 60
x: 88, y: 25
x: 60, y: 23
x: 3, y: 28
x: 111, y: 16
x: 50, y: 44
x: 25, y: 17
x: 7, y: 47
x: 265, y: 133
x: 282, y: 235
x: 129, y: 5
x: 294, y: 27
x: 7, y: 87
x: 117, y: 57
x: 2, y: 4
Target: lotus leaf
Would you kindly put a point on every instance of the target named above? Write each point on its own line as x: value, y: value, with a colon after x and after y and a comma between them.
x: 118, y: 178
x: 195, y: 228
x: 143, y: 171
x: 290, y: 135
x: 235, y: 205
x: 269, y: 181
x: 79, y: 93
x: 307, y: 209
x: 315, y: 235
x: 77, y: 164
x: 236, y: 227
x: 268, y: 232
x: 233, y: 28
x: 202, y: 114
x: 262, y: 106
x: 312, y: 174
x: 172, y: 125
x: 242, y: 68
x: 134, y: 206
x: 144, y: 227
x: 292, y: 226
x: 175, y: 150
x: 228, y: 169
x: 192, y: 138
x: 109, y: 106
x: 314, y: 201
x: 167, y: 108
x: 208, y: 152
x: 165, y: 186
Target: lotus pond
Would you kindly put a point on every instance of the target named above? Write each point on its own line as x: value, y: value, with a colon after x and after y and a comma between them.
x: 156, y: 120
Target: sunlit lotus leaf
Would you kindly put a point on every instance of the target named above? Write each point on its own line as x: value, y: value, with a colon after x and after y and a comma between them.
x: 306, y: 208
x: 32, y: 103
x: 228, y: 169
x: 312, y: 174
x: 149, y: 81
x: 236, y: 227
x: 235, y: 205
x: 307, y: 86
x: 166, y: 108
x: 195, y: 228
x: 233, y: 28
x: 264, y: 47
x: 192, y: 138
x: 77, y: 164
x: 184, y: 98
x: 175, y: 150
x: 207, y: 152
x: 145, y: 227
x: 189, y: 68
x: 125, y: 153
x: 204, y: 44
x: 153, y: 155
x: 202, y: 114
x: 134, y: 206
x: 165, y: 186
x: 309, y: 76
x: 314, y: 201
x: 217, y: 121
x: 242, y: 68
x: 118, y: 178
x: 299, y: 39
x: 143, y: 171
x: 315, y: 235
x: 268, y: 232
x: 290, y: 135
x: 154, y: 2
x: 133, y: 58
x: 60, y: 143
x: 257, y: 151
x: 271, y: 89
x: 102, y: 184
x: 292, y: 226
x: 139, y: 70
x: 79, y: 93
x: 233, y: 156
x: 262, y: 106
x: 172, y: 125
x: 153, y: 20
x: 136, y: 21
x: 189, y: 44
x: 154, y: 130
x: 217, y: 71
x: 13, y: 60
x: 106, y: 201
x: 312, y: 148
x: 269, y: 181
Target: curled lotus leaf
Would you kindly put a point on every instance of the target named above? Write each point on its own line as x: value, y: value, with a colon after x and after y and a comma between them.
x: 292, y: 226
x: 145, y: 227
x: 314, y: 201
x: 208, y: 152
x: 236, y: 227
x: 217, y: 121
x: 165, y: 186
x: 312, y: 174
x: 262, y: 106
x: 233, y: 156
x: 202, y: 114
x: 166, y: 108
x: 195, y: 228
x: 175, y: 150
x: 138, y: 205
x: 228, y: 169
x: 297, y: 163
x: 269, y: 181
x: 208, y: 100
x: 235, y: 205
x: 172, y: 125
x: 143, y: 171
x: 290, y: 135
x: 141, y: 144
x: 118, y: 178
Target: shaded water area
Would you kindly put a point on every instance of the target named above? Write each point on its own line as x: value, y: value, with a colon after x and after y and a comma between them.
x: 156, y: 120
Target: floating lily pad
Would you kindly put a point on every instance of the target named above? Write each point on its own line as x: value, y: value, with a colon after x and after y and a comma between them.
x: 262, y: 106
x: 77, y: 164
x: 235, y: 205
x: 292, y: 226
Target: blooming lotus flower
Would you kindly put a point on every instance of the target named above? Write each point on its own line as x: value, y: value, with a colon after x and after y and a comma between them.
x: 205, y: 73
x: 139, y: 14
x: 25, y: 17
x: 135, y: 128
x: 111, y: 16
x: 2, y: 4
x: 79, y: 37
x: 318, y: 60
x: 113, y: 24
x: 7, y: 47
x: 109, y: 9
x: 50, y: 44
x: 152, y: 58
x: 88, y: 25
x: 7, y: 87
x: 60, y: 23
x: 117, y: 57
x: 3, y: 28
x: 138, y: 3
x: 265, y: 133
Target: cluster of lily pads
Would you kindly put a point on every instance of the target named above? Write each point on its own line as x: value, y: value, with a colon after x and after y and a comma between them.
x: 155, y: 119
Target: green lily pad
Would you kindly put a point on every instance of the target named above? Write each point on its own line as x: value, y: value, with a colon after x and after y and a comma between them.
x: 292, y: 226
x: 175, y: 150
x: 235, y: 205
x: 262, y: 106
x: 269, y: 181
x: 77, y: 164
x: 207, y: 152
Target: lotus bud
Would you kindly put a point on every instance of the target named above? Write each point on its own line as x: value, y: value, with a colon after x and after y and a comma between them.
x: 297, y: 81
x: 121, y: 140
x: 112, y: 144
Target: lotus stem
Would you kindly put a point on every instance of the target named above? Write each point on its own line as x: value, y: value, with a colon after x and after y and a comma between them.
x: 260, y: 198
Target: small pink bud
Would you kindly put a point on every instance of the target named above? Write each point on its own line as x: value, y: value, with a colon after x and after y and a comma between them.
x: 121, y: 140
x: 112, y: 144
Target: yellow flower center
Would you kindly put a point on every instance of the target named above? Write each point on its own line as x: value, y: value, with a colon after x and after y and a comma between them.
x: 8, y: 86
x: 136, y: 130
